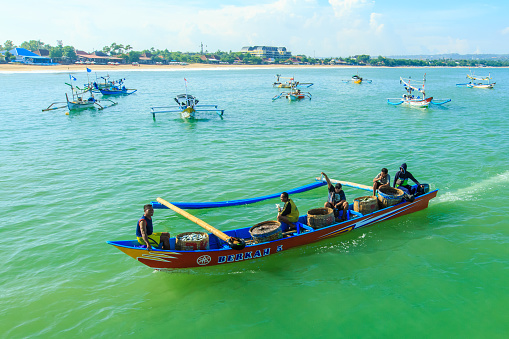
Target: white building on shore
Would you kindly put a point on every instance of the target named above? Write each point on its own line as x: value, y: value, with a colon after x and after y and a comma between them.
x: 267, y: 52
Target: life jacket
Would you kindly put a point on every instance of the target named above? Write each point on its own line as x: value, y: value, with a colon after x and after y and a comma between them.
x: 149, y: 228
x: 294, y: 213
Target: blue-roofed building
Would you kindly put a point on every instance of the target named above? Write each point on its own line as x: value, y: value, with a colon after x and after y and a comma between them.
x: 24, y: 56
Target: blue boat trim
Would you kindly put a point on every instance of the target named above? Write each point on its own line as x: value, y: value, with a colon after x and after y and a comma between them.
x: 199, y: 205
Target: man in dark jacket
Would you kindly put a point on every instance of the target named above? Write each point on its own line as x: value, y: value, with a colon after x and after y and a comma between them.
x: 401, y: 180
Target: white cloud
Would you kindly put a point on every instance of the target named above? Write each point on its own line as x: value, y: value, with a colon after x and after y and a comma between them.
x: 505, y: 30
x: 345, y: 7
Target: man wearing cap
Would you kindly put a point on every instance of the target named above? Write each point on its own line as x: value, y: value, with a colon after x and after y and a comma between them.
x: 382, y: 179
x: 337, y: 198
x: 401, y: 180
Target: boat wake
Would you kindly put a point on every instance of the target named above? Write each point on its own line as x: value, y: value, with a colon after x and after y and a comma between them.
x: 471, y: 193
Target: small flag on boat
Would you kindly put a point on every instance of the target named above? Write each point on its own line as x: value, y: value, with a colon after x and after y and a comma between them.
x: 185, y: 79
x: 89, y: 70
x: 72, y: 78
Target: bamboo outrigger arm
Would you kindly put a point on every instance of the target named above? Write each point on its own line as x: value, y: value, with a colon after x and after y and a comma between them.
x: 234, y: 243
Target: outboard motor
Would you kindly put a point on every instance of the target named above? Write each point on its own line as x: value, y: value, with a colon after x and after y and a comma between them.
x: 422, y: 189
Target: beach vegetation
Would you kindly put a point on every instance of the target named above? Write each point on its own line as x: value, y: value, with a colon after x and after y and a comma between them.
x: 8, y: 56
x: 33, y: 45
x: 67, y: 54
x: 8, y: 45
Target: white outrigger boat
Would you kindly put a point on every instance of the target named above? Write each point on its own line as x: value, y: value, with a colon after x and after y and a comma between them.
x: 294, y: 95
x: 479, y: 84
x: 411, y: 100
x: 187, y: 106
x: 290, y: 83
x: 79, y: 100
x: 357, y: 79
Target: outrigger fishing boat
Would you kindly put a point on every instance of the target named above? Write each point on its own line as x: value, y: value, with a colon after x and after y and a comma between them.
x: 411, y: 100
x: 243, y: 244
x: 187, y: 106
x: 81, y: 99
x: 294, y: 95
x: 290, y: 83
x: 479, y: 84
x: 357, y: 79
x: 112, y: 87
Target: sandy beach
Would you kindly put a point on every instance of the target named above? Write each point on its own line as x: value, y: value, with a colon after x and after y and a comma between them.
x: 5, y: 68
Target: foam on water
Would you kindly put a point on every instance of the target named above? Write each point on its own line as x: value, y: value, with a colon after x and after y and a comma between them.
x: 474, y: 192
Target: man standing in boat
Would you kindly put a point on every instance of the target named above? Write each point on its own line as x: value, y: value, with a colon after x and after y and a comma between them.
x: 145, y: 231
x: 401, y: 180
x: 382, y: 179
x: 336, y: 199
x: 289, y: 213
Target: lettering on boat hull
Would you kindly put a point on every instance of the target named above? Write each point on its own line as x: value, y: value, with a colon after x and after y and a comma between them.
x: 246, y: 255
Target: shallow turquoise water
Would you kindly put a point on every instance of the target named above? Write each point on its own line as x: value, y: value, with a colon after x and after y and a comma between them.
x: 71, y: 182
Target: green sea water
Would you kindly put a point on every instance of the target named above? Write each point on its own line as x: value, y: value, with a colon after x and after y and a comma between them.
x: 71, y: 182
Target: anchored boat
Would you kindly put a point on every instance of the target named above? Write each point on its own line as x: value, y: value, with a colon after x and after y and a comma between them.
x: 357, y: 79
x: 482, y: 82
x: 294, y: 95
x: 81, y: 99
x: 187, y: 106
x: 411, y: 100
x: 112, y: 87
x: 243, y: 244
x: 290, y: 83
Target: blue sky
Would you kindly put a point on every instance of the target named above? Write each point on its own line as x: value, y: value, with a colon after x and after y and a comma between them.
x: 321, y: 28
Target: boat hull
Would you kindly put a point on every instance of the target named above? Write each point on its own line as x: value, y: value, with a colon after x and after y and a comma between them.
x: 116, y: 92
x: 188, y: 113
x: 74, y: 105
x: 169, y: 259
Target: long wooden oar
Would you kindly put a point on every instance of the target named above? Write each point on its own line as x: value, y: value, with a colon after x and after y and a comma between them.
x: 234, y: 243
x: 348, y: 183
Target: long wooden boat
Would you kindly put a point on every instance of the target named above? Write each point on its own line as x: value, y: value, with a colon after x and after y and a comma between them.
x: 221, y: 253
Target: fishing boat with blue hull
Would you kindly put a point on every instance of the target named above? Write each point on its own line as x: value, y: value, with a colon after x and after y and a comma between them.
x: 239, y: 245
x: 112, y: 87
x: 117, y: 91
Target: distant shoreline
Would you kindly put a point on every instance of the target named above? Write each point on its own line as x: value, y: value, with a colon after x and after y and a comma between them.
x: 19, y: 68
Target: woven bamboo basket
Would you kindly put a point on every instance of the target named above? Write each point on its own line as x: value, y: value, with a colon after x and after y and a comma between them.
x: 320, y: 217
x: 266, y: 231
x: 365, y: 205
x: 389, y: 196
x: 192, y: 241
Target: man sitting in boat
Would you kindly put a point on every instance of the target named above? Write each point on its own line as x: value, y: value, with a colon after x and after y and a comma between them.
x: 289, y: 213
x: 382, y: 179
x: 401, y: 180
x: 336, y: 199
x: 145, y: 231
